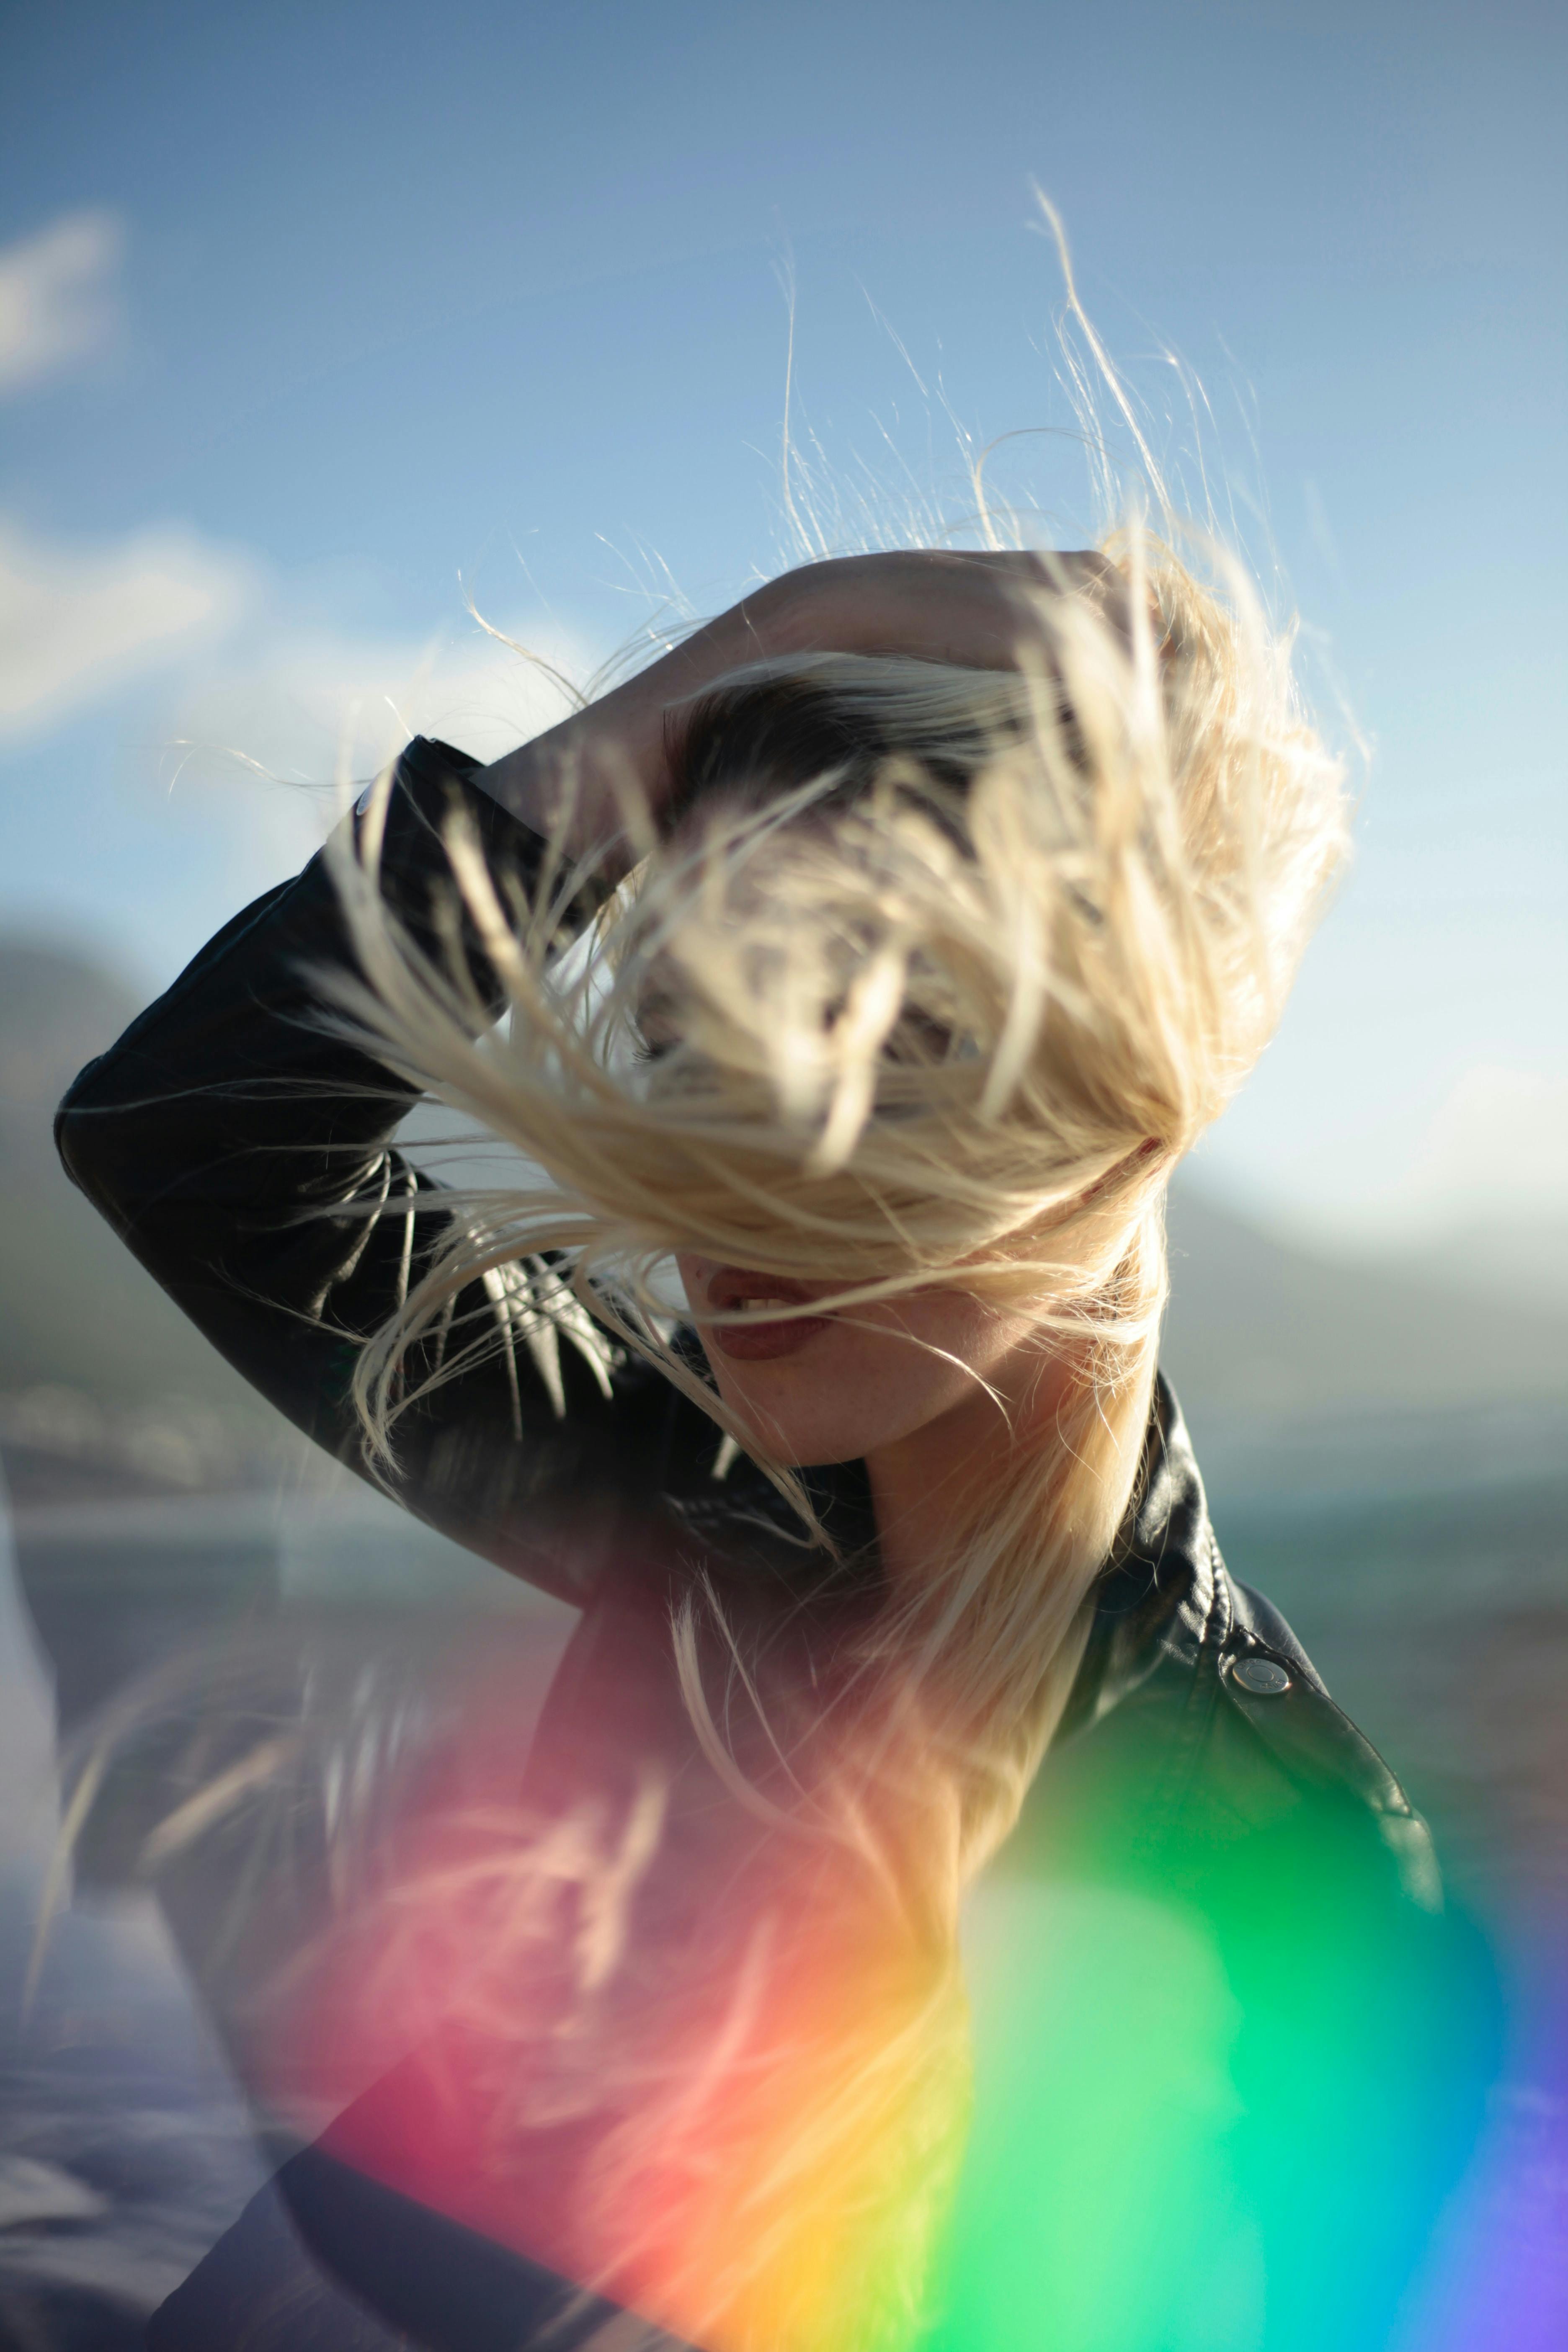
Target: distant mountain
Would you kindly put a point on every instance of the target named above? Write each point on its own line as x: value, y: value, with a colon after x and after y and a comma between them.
x: 76, y: 1312
x: 1522, y: 1260
x: 1261, y: 1328
x: 1258, y: 1331
x: 1306, y: 1376
x: 58, y: 1009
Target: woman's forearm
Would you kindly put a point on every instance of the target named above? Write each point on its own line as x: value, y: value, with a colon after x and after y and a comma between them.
x: 975, y: 610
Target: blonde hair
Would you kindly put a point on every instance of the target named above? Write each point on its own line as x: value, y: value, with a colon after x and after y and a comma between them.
x: 955, y: 965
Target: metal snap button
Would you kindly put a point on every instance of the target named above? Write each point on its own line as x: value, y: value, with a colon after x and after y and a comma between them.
x: 1261, y: 1676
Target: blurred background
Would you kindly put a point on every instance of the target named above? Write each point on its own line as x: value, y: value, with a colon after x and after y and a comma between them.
x: 323, y: 328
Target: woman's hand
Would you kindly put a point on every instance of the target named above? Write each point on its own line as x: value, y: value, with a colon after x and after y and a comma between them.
x: 977, y: 611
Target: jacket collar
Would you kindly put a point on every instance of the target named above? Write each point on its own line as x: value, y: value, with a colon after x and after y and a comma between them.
x: 1158, y: 1599
x: 1160, y: 1593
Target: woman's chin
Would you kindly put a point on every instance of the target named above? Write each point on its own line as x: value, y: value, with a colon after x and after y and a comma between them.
x: 840, y: 1395
x: 809, y: 1431
x: 808, y: 1448
x: 800, y: 1432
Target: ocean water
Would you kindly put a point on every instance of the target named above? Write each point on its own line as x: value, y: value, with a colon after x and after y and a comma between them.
x: 1426, y: 1573
x: 1438, y: 1616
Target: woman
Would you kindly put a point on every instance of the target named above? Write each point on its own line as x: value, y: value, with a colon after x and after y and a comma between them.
x: 928, y: 906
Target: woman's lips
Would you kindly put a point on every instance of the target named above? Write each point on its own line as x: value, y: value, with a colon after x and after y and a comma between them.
x: 755, y: 1343
x: 761, y: 1341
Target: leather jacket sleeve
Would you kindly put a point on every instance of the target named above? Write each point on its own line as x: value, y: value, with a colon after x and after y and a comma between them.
x: 246, y: 1155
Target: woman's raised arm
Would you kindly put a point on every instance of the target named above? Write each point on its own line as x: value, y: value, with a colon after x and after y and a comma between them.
x: 245, y: 1153
x: 928, y: 604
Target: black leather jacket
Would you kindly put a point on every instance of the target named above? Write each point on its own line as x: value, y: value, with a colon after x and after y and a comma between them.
x: 1201, y: 1768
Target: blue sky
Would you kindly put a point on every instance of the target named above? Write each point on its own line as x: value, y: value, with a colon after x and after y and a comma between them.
x: 307, y: 311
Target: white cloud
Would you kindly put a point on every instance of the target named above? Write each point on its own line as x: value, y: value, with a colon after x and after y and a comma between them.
x: 56, y: 297
x: 75, y: 623
x: 237, y: 762
x: 1498, y: 1138
x: 262, y: 752
x: 324, y: 709
x: 327, y: 713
